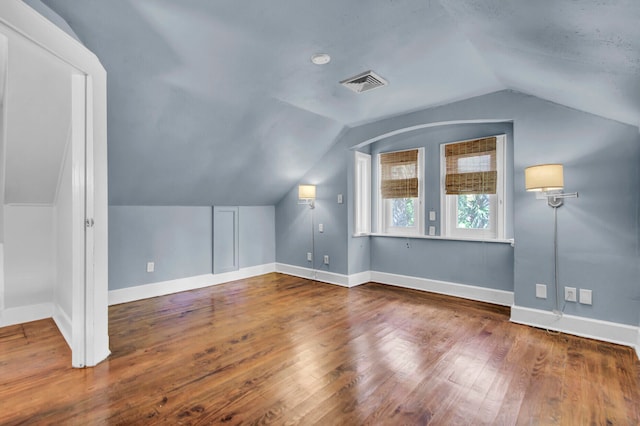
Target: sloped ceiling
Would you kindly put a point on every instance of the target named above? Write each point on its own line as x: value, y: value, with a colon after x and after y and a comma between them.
x: 217, y: 102
x: 35, y: 150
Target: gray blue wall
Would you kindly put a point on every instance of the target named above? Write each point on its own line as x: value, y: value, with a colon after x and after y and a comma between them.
x: 598, y: 232
x: 179, y: 240
x: 293, y: 221
x: 486, y: 264
x: 430, y: 139
x: 257, y: 238
x: 599, y: 237
x: 478, y: 263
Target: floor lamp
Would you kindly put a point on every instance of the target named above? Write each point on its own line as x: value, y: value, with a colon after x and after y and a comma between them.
x: 307, y: 195
x: 548, y: 179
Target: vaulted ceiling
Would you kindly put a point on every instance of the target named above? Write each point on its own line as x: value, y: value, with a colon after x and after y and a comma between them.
x: 217, y: 102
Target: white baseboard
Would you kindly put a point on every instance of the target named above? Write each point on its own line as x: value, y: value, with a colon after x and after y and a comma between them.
x: 12, y: 316
x: 481, y: 294
x: 315, y: 274
x: 63, y: 322
x: 359, y: 278
x: 163, y: 288
x: 622, y: 334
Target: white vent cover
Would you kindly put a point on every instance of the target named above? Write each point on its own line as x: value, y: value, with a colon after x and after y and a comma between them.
x: 363, y: 82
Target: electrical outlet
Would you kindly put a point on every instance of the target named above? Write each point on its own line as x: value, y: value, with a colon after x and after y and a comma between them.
x: 432, y: 215
x: 309, y: 257
x: 320, y: 227
x: 586, y: 296
x: 340, y: 200
x: 326, y: 259
x: 570, y: 294
x: 432, y: 231
x: 541, y: 291
x: 151, y: 266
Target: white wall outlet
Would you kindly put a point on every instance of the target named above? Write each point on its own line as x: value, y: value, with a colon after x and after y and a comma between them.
x: 340, y: 199
x: 432, y: 230
x: 151, y: 266
x: 320, y: 227
x: 570, y: 294
x: 541, y: 291
x: 432, y: 215
x: 309, y: 257
x: 326, y: 259
x: 585, y: 296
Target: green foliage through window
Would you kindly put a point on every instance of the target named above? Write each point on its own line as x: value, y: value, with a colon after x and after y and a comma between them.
x: 473, y: 211
x: 402, y: 212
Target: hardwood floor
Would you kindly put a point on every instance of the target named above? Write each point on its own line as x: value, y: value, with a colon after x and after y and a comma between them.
x: 283, y: 350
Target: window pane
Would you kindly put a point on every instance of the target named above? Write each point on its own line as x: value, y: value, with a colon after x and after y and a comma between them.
x: 403, y: 171
x: 475, y: 163
x: 473, y: 211
x: 402, y: 212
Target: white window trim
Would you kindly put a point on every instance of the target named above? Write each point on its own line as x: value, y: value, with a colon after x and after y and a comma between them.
x: 448, y: 203
x: 418, y: 229
x: 362, y: 193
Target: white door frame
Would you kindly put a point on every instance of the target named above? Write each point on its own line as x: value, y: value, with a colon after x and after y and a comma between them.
x: 90, y: 341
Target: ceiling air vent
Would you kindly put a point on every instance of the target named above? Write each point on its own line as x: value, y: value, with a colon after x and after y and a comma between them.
x: 363, y: 82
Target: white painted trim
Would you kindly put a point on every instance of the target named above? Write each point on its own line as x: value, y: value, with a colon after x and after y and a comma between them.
x: 497, y: 204
x: 17, y: 17
x: 79, y: 233
x: 481, y: 294
x: 1, y: 271
x: 163, y: 288
x: 362, y: 193
x: 63, y: 322
x: 315, y: 274
x: 359, y: 278
x: 30, y: 204
x: 19, y: 315
x: 425, y: 126
x: 638, y: 344
x: 606, y: 331
x: 383, y: 211
x: 438, y: 237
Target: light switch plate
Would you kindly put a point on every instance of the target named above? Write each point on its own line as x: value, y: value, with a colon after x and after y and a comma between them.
x: 326, y: 259
x: 309, y: 257
x: 586, y: 296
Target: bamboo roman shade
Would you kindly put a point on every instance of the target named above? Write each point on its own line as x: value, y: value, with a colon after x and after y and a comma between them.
x: 471, y: 167
x: 399, y: 174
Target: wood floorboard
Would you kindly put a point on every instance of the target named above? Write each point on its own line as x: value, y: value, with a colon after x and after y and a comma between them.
x: 277, y: 349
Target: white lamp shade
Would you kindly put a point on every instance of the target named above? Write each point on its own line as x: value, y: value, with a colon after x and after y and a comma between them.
x: 306, y: 192
x: 544, y: 177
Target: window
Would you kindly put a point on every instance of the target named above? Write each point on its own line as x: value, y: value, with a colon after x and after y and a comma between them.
x: 362, y: 191
x: 400, y: 192
x: 473, y: 188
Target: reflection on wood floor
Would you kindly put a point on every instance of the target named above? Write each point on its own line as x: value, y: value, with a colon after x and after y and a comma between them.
x: 285, y: 350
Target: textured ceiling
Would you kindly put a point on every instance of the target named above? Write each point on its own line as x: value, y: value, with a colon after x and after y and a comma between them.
x: 213, y: 102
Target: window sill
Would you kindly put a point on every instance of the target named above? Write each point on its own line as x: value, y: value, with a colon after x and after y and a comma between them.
x: 437, y: 237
